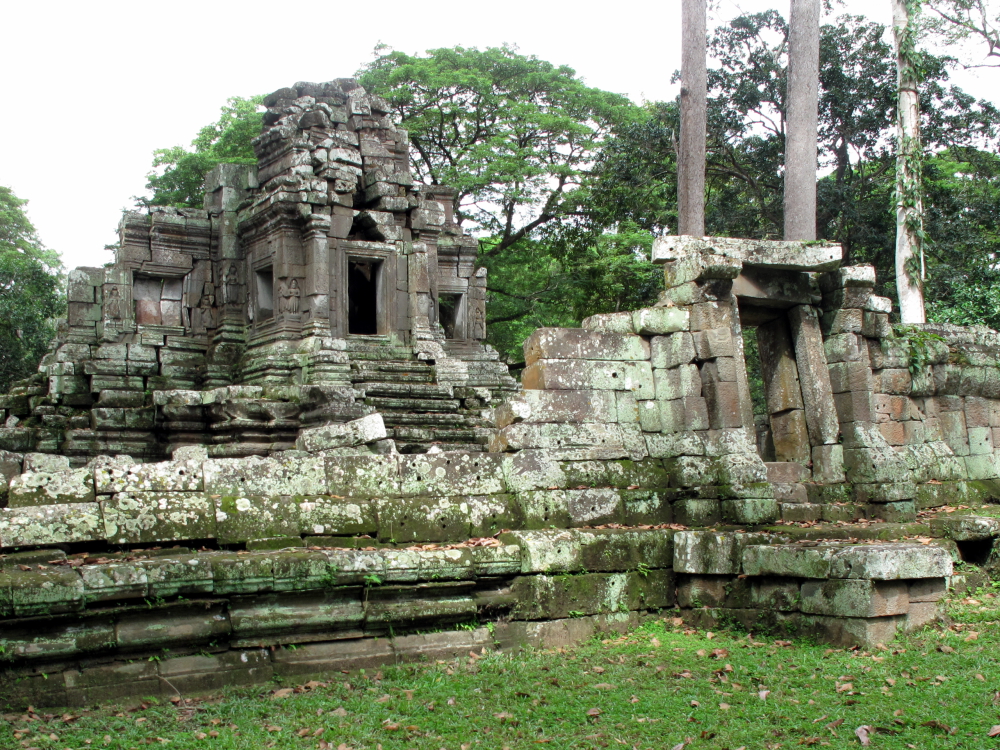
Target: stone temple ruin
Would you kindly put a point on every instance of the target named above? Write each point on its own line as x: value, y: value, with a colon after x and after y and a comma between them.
x: 274, y: 421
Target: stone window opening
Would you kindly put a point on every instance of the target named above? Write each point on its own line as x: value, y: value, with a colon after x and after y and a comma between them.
x: 363, y: 281
x: 265, y: 293
x: 451, y: 315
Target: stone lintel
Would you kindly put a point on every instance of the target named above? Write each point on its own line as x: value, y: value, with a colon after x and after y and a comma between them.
x: 790, y: 255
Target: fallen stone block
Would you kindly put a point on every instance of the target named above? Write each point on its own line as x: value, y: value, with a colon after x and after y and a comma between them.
x: 356, y: 432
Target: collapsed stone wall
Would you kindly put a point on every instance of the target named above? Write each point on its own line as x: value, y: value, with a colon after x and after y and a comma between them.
x: 329, y: 487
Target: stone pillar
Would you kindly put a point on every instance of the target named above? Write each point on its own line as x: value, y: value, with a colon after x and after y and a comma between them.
x: 814, y: 376
x: 783, y: 392
x: 694, y: 91
x: 317, y: 291
x: 742, y: 382
x: 801, y: 132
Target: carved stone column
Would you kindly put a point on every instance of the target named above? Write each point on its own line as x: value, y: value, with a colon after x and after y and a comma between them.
x: 317, y: 284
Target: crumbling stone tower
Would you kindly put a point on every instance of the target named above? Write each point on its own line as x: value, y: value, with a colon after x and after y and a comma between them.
x: 323, y: 275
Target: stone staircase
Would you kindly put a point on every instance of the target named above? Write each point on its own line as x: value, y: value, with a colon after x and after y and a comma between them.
x: 418, y: 412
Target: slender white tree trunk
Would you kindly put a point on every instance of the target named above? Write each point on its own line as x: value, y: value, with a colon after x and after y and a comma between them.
x: 802, y: 108
x: 909, y: 204
x: 694, y: 92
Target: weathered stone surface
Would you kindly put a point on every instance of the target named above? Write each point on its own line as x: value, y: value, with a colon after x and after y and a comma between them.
x: 855, y: 598
x: 51, y: 488
x: 574, y: 343
x: 607, y: 437
x: 168, y: 476
x: 536, y: 407
x: 142, y: 517
x: 966, y: 528
x: 363, y: 476
x: 356, y: 432
x: 814, y: 376
x: 447, y: 474
x: 885, y: 562
x: 554, y: 374
x: 51, y: 524
x: 550, y: 551
x: 777, y: 254
x: 660, y: 320
x: 278, y: 475
x: 45, y: 463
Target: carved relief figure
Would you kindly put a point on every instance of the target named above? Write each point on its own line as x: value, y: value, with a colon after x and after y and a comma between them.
x: 231, y: 289
x: 289, y: 296
x: 113, y: 305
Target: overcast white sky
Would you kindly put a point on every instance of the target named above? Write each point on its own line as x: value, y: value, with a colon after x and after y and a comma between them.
x: 91, y: 89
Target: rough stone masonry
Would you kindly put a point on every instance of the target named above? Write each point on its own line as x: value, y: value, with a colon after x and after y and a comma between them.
x: 275, y: 421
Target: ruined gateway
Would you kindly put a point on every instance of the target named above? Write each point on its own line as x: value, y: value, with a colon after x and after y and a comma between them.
x: 275, y: 421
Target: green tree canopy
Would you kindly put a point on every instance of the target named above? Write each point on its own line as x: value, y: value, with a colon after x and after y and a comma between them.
x: 514, y: 134
x: 178, y: 174
x: 30, y: 292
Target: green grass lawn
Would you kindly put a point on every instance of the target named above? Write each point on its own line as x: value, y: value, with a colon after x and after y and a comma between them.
x: 661, y: 686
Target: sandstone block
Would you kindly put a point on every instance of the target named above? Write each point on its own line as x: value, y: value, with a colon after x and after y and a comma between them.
x: 673, y: 350
x: 790, y: 436
x: 535, y: 407
x: 679, y: 382
x: 356, y: 432
x: 855, y: 598
x: 448, y: 474
x: 553, y: 374
x: 143, y: 517
x: 51, y: 524
x: 883, y: 562
x: 696, y: 512
x: 722, y: 400
x: 75, y: 486
x: 574, y: 343
x: 363, y: 476
x: 660, y: 320
x: 928, y: 590
x: 619, y: 322
x: 714, y: 342
x: 750, y: 511
x: 549, y: 551
x: 281, y: 474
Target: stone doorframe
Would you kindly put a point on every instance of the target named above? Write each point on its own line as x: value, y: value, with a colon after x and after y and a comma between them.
x: 771, y: 286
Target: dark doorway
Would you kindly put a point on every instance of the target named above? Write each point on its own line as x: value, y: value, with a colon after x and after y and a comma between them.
x: 265, y: 293
x: 449, y: 309
x: 362, y: 296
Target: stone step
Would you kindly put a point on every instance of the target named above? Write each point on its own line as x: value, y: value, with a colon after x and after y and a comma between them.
x: 413, y: 404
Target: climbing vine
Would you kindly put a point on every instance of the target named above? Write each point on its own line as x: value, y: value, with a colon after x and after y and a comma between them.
x: 918, y: 343
x: 909, y: 165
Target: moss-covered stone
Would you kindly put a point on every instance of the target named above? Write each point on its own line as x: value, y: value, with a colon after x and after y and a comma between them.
x: 115, y: 581
x: 553, y: 597
x: 363, y: 476
x: 242, y: 572
x: 43, y: 592
x: 280, y: 474
x: 455, y: 473
x: 242, y: 517
x: 51, y: 524
x: 144, y: 517
x: 544, y: 509
x: 180, y: 574
x: 332, y: 515
x: 39, y: 488
x: 550, y: 551
x: 423, y: 519
x: 167, y: 476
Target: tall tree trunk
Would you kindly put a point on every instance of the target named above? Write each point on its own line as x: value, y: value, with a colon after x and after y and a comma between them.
x: 802, y: 107
x: 909, y: 203
x: 694, y: 93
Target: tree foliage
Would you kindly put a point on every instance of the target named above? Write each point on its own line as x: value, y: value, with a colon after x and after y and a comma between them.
x: 514, y: 134
x: 30, y: 292
x: 178, y: 174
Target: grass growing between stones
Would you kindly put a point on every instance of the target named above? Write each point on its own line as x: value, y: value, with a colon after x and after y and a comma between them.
x: 661, y: 686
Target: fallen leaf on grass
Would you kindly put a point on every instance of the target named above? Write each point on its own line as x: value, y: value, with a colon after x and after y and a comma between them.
x: 339, y: 711
x: 994, y: 731
x: 272, y: 728
x: 604, y: 686
x: 503, y: 716
x: 594, y: 712
x: 282, y: 693
x: 935, y: 724
x: 763, y: 694
x: 864, y: 732
x: 723, y: 706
